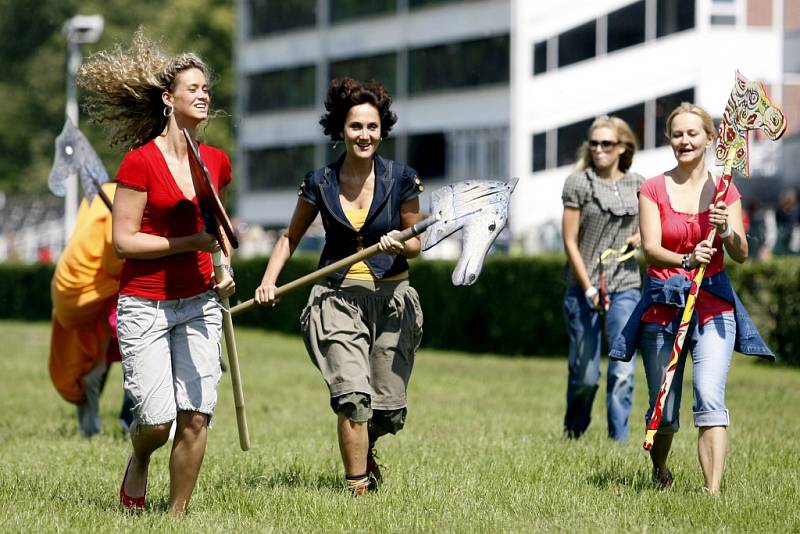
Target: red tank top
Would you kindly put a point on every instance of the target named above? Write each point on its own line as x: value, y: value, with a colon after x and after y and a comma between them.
x: 680, y: 232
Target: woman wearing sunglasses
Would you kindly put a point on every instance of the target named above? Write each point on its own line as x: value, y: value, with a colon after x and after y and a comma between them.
x: 600, y: 214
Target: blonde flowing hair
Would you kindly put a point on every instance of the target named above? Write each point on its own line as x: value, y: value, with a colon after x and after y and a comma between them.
x: 624, y: 135
x: 694, y: 109
x: 126, y: 88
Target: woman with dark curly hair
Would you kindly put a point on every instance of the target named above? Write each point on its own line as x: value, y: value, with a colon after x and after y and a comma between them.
x: 362, y: 325
x: 169, y: 310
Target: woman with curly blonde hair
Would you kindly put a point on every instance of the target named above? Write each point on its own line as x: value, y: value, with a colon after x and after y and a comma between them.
x: 169, y: 310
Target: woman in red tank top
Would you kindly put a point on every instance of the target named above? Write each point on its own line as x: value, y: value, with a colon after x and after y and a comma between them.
x: 676, y: 213
x: 169, y: 311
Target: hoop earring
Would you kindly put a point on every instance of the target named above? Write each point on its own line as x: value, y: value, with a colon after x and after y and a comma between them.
x: 167, y: 111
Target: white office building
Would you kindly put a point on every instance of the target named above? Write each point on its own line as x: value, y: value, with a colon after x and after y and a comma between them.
x: 494, y: 88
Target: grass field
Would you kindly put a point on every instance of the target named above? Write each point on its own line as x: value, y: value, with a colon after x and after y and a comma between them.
x: 481, y: 452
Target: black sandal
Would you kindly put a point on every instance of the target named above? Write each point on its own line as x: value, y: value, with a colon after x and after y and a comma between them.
x: 662, y: 479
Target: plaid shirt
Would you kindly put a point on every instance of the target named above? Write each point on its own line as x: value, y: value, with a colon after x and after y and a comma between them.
x: 609, y: 215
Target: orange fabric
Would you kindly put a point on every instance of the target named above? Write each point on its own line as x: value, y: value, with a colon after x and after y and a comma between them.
x: 84, y: 286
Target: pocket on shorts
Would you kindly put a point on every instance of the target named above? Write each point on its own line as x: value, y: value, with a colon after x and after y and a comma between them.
x: 135, y: 315
x: 412, y: 318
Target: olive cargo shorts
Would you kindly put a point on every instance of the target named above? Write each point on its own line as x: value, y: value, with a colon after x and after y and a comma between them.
x: 362, y: 336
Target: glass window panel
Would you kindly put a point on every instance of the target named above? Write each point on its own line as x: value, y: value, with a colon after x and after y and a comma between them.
x: 626, y: 26
x: 282, y: 89
x: 271, y: 16
x: 674, y: 16
x: 427, y: 154
x: 664, y: 106
x: 279, y: 167
x: 577, y: 44
x: 382, y: 67
x: 351, y: 9
x: 412, y: 4
x: 570, y: 138
x: 455, y: 65
x: 540, y: 58
x: 723, y: 20
x: 539, y: 158
x: 634, y: 116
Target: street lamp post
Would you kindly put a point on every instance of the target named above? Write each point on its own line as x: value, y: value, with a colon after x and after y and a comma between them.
x: 78, y: 30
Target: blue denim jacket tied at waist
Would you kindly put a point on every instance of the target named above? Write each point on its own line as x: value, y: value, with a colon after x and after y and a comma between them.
x: 673, y: 292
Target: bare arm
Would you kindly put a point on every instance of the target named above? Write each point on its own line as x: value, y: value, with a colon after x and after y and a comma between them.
x: 130, y: 242
x: 722, y: 217
x: 409, y: 216
x: 304, y: 214
x: 570, y: 227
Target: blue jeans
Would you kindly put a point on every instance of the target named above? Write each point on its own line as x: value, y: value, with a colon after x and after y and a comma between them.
x: 584, y: 327
x: 711, y: 346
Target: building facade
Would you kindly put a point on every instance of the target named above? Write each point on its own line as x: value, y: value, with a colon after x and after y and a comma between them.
x: 636, y: 60
x: 446, y: 64
x: 494, y: 88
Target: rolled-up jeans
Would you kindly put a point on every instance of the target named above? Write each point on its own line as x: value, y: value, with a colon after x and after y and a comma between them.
x: 711, y: 345
x: 585, y: 328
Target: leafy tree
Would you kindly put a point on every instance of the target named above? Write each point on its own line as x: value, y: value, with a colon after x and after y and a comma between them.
x: 33, y: 80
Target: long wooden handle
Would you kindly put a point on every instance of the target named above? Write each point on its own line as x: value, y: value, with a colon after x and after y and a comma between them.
x: 233, y: 360
x: 361, y: 255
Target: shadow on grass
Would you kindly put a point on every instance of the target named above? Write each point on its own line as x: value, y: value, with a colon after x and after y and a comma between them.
x: 295, y: 476
x: 613, y: 476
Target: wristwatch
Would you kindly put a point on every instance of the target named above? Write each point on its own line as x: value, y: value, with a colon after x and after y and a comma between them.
x: 685, y: 262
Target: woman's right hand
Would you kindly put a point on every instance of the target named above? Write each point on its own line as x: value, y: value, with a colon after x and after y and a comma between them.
x: 265, y: 295
x: 205, y: 242
x: 702, y: 254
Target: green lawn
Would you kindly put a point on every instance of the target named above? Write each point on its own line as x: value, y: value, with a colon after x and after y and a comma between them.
x: 481, y: 452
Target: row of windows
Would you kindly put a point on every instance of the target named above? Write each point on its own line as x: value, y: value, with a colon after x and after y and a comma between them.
x: 273, y: 16
x: 458, y: 155
x: 559, y: 147
x: 450, y: 66
x: 619, y: 29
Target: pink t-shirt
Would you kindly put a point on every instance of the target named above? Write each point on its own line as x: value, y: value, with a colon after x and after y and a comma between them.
x: 680, y: 232
x: 168, y: 213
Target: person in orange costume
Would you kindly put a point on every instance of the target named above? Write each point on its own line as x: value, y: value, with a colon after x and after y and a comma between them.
x: 84, y: 293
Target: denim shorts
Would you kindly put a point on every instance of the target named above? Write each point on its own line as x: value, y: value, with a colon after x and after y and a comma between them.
x: 711, y: 346
x: 170, y: 354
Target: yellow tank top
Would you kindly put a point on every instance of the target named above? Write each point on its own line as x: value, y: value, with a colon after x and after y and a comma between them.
x: 360, y: 270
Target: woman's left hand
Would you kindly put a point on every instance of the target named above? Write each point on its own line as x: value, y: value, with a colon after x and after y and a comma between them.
x: 634, y: 240
x: 718, y: 216
x: 225, y: 287
x: 389, y: 245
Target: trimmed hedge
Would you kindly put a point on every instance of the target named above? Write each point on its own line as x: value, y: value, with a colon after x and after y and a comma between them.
x: 514, y: 308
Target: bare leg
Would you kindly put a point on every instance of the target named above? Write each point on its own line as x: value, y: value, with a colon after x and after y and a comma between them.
x: 145, y: 439
x: 659, y: 454
x: 353, y: 444
x: 188, y: 450
x: 712, y: 447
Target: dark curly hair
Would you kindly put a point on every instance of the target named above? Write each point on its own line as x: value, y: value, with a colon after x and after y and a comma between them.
x: 344, y: 93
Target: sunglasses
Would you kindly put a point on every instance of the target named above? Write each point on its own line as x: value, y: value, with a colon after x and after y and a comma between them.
x: 605, y: 145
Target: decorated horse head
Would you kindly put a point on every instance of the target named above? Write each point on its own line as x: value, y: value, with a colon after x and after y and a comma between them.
x: 748, y: 108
